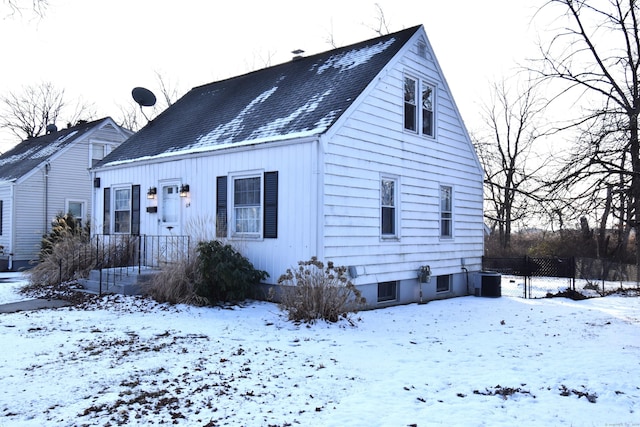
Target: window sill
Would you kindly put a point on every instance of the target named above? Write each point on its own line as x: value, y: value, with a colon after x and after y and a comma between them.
x: 246, y: 237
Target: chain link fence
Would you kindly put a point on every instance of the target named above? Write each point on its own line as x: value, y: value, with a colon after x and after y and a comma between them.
x: 538, y: 277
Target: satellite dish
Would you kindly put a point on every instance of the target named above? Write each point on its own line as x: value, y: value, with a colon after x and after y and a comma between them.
x: 144, y: 97
x: 51, y: 128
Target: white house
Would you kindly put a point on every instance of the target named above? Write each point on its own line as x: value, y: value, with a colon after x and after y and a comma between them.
x: 357, y: 155
x: 44, y: 176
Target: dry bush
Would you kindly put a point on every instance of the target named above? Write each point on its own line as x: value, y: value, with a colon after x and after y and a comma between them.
x: 70, y: 258
x: 175, y: 282
x: 314, y: 292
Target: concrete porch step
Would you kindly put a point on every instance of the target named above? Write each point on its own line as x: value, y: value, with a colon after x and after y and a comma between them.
x: 124, y: 281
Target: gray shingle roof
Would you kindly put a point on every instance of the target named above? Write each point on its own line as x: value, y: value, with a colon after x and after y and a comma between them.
x: 32, y: 152
x: 298, y: 98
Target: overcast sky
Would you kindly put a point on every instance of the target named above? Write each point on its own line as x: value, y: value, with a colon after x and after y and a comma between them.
x: 99, y: 51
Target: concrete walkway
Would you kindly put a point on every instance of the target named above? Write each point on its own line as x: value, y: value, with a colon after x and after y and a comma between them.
x: 26, y: 305
x: 32, y: 304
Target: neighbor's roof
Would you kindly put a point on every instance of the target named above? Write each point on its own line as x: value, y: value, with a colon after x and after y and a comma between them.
x: 302, y: 97
x: 32, y: 152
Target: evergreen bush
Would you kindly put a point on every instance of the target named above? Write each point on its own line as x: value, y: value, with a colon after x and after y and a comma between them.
x: 65, y: 253
x: 63, y: 227
x: 225, y: 275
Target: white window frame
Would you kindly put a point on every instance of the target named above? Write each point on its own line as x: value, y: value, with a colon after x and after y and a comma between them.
x: 421, y: 85
x: 395, y: 205
x: 445, y: 214
x: 115, y: 210
x: 236, y: 210
x: 106, y: 149
x: 83, y: 209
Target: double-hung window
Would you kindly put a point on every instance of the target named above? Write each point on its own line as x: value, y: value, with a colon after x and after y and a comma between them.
x: 76, y: 209
x: 251, y: 209
x: 388, y: 207
x: 247, y: 207
x: 446, y: 213
x: 122, y: 210
x: 419, y: 106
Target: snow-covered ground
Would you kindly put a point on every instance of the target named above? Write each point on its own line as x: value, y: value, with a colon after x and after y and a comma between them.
x: 460, y: 362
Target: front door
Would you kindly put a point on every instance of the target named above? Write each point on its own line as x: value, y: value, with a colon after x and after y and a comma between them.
x: 170, y: 210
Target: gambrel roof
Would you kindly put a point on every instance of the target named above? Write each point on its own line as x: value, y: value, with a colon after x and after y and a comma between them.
x: 32, y: 152
x: 300, y: 98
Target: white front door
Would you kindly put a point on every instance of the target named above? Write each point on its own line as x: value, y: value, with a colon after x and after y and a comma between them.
x: 170, y: 210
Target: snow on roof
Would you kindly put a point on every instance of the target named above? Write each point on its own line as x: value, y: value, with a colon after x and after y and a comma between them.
x: 31, y: 152
x: 302, y: 97
x: 351, y: 59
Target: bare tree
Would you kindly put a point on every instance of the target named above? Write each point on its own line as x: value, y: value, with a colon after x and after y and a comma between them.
x: 506, y: 149
x: 596, y: 57
x: 39, y: 7
x: 382, y: 28
x: 131, y: 114
x: 27, y: 113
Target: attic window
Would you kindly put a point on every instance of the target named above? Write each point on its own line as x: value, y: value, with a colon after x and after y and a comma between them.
x: 422, y: 50
x: 420, y: 116
x: 98, y: 151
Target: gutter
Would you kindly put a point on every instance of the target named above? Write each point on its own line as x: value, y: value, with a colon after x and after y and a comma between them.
x: 215, y: 151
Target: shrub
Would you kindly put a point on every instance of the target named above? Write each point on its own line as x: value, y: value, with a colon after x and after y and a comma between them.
x: 314, y: 292
x: 175, y: 283
x: 68, y: 259
x: 63, y: 253
x: 63, y: 227
x: 224, y: 275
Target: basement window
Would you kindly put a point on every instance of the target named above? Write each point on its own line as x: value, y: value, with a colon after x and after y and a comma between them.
x: 443, y: 283
x: 387, y: 291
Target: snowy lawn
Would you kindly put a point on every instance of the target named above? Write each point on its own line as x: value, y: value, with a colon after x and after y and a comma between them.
x: 464, y: 361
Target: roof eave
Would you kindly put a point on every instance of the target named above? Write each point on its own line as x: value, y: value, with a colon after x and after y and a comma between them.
x: 211, y: 151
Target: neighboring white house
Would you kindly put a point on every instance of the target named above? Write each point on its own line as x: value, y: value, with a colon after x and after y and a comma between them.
x: 44, y: 176
x: 357, y: 155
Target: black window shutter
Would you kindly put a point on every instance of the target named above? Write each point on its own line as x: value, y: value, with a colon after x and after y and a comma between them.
x: 1, y: 215
x: 221, y: 206
x: 135, y: 210
x: 270, y: 205
x: 106, y: 212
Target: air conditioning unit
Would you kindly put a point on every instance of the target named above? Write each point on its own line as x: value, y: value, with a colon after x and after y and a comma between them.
x: 488, y: 284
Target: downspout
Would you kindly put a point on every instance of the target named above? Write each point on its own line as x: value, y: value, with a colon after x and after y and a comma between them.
x: 47, y: 168
x: 319, y: 200
x: 12, y: 232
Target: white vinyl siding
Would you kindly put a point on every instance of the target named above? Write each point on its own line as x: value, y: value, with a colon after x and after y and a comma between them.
x: 297, y: 192
x: 373, y: 143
